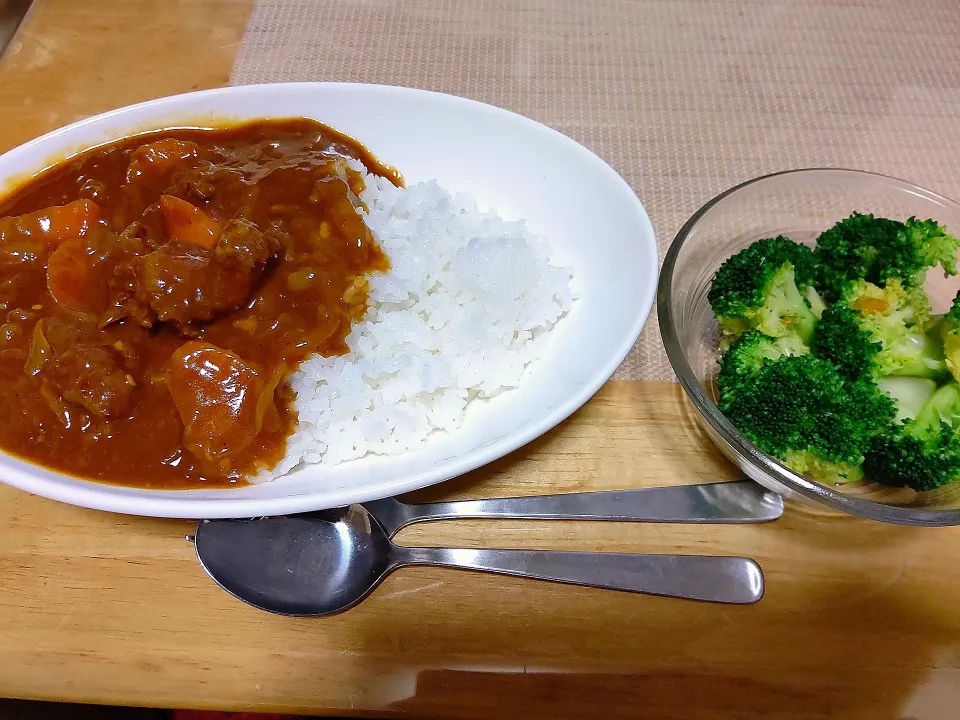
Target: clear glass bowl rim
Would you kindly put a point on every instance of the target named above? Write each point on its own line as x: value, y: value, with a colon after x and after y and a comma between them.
x: 747, y: 453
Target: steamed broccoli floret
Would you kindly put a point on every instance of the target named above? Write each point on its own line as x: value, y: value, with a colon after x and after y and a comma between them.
x: 864, y: 247
x: 935, y: 244
x: 879, y: 331
x: 763, y: 287
x: 839, y: 339
x: 922, y: 454
x: 800, y: 410
x: 747, y: 355
x: 950, y: 333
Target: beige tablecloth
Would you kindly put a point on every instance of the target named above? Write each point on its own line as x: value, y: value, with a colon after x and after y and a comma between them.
x: 683, y: 97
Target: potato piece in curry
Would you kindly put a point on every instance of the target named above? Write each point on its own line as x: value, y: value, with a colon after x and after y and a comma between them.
x: 156, y: 292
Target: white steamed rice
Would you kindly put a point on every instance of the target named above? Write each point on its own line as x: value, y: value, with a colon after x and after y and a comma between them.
x: 459, y: 316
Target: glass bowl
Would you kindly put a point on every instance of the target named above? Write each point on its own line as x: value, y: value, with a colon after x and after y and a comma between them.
x: 799, y: 204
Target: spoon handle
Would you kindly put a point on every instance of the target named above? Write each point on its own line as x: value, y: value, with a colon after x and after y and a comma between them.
x: 693, y: 577
x: 742, y: 501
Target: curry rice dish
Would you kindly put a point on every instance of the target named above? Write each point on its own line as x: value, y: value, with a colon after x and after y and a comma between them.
x: 208, y: 307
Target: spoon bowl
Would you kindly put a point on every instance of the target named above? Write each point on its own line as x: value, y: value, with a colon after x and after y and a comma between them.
x: 314, y: 564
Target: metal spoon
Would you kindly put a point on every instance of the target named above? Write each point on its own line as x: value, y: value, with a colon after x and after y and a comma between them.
x: 740, y: 501
x: 326, y: 562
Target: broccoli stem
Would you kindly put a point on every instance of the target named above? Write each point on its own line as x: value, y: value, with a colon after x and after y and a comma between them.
x: 943, y: 407
x: 910, y: 394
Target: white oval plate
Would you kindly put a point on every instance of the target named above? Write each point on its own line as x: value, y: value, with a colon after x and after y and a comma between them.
x: 591, y: 218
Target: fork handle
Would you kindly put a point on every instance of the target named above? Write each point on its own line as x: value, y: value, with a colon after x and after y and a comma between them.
x: 741, y: 501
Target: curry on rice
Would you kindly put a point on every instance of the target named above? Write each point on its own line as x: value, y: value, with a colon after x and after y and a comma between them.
x: 158, y: 290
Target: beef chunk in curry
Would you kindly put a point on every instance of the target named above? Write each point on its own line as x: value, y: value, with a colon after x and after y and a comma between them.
x: 156, y: 292
x: 189, y: 282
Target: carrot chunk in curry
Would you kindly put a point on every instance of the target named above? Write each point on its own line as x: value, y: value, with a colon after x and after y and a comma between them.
x: 157, y: 291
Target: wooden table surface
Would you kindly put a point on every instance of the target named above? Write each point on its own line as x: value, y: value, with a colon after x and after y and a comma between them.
x: 860, y: 620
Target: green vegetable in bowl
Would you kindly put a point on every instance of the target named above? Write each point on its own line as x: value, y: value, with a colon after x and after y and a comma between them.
x: 909, y: 394
x: 879, y: 331
x: 924, y: 453
x: 833, y: 361
x: 950, y: 333
x: 747, y: 355
x: 764, y: 287
x: 799, y: 409
x: 864, y: 247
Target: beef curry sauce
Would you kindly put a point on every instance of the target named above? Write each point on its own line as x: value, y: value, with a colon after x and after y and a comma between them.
x: 157, y: 291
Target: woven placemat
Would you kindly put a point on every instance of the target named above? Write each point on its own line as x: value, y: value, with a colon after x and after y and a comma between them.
x: 684, y: 98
